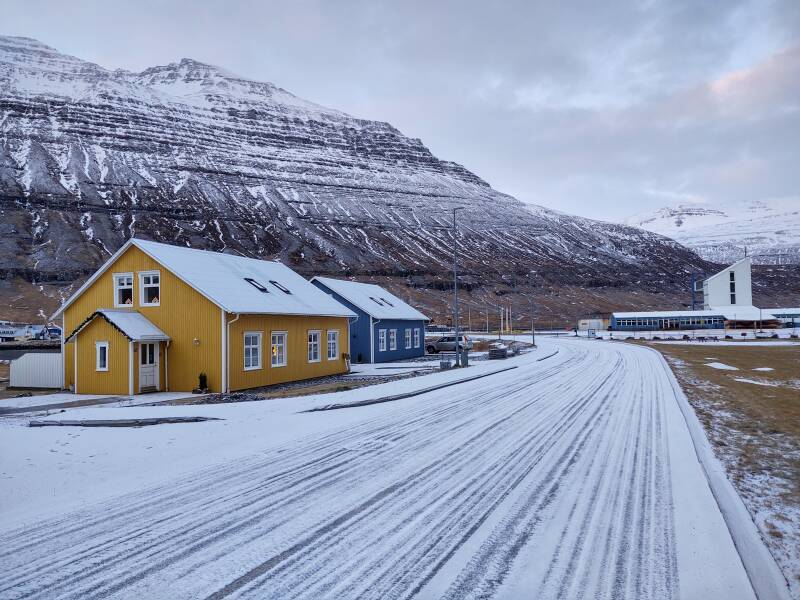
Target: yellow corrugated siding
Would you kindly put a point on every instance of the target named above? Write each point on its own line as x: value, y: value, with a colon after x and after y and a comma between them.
x: 91, y: 381
x: 297, y: 367
x: 183, y: 314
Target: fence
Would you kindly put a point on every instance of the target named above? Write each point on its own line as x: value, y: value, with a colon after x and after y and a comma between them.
x: 37, y: 370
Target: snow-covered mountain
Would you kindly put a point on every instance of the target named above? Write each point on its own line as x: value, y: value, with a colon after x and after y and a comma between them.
x: 768, y: 229
x: 189, y: 153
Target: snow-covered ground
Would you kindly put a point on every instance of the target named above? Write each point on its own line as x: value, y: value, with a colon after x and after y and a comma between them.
x: 573, y: 476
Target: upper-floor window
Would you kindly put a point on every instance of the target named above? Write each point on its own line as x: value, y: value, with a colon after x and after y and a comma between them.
x: 313, y: 346
x: 333, y: 344
x: 123, y: 289
x: 150, y: 288
x: 733, y: 298
x: 733, y: 276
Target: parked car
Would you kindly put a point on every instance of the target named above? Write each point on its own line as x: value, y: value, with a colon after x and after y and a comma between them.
x: 448, y: 344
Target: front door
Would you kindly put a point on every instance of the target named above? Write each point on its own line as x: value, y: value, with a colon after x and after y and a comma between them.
x: 148, y: 367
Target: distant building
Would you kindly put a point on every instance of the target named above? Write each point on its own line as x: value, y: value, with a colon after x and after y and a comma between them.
x: 727, y: 302
x: 387, y: 328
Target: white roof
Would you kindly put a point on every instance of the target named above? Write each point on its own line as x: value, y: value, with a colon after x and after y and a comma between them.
x: 730, y: 313
x: 784, y: 311
x: 663, y: 314
x: 734, y: 312
x: 135, y: 326
x: 222, y: 279
x: 372, y: 299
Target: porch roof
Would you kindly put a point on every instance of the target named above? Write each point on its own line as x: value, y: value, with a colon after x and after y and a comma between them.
x: 133, y: 325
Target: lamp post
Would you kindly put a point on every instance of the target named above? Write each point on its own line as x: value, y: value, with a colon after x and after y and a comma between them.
x: 533, y: 327
x: 455, y: 283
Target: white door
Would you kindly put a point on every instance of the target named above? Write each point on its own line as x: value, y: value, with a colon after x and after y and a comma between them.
x: 148, y: 367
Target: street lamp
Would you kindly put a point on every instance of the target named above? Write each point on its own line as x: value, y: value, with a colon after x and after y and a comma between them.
x: 533, y: 328
x: 455, y: 283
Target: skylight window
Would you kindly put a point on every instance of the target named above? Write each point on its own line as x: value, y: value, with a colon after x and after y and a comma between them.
x: 387, y: 302
x: 378, y: 302
x: 279, y: 286
x: 256, y: 285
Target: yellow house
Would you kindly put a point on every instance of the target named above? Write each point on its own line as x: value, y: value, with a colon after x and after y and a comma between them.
x: 155, y: 316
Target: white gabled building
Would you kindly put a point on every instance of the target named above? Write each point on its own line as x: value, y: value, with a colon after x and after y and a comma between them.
x: 731, y: 287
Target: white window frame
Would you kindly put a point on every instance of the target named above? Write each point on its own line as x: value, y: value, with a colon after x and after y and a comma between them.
x: 393, y: 339
x: 142, y: 275
x: 335, y: 333
x: 118, y: 287
x: 381, y: 340
x: 416, y: 337
x: 407, y: 335
x: 284, y: 345
x: 97, y: 346
x: 259, y: 346
x: 316, y: 345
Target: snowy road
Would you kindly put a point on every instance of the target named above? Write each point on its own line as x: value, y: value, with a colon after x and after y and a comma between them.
x: 572, y: 477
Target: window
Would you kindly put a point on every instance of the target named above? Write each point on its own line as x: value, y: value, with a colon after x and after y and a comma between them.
x: 408, y: 339
x: 101, y: 356
x: 123, y: 289
x: 732, y: 276
x: 733, y: 298
x: 280, y: 287
x: 313, y: 346
x: 256, y: 285
x: 393, y: 339
x: 733, y: 287
x: 252, y: 350
x: 333, y: 345
x: 416, y: 338
x: 387, y: 302
x: 378, y: 302
x: 381, y: 340
x: 150, y: 288
x: 278, y: 348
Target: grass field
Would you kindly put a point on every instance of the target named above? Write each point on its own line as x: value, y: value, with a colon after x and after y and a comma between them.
x: 752, y: 416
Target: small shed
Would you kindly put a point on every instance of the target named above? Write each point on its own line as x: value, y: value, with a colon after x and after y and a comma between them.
x: 387, y: 329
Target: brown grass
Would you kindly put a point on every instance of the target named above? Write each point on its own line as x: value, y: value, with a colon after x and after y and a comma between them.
x: 755, y: 428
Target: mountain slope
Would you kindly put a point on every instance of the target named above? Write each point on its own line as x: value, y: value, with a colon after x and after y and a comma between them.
x: 769, y: 229
x: 191, y: 154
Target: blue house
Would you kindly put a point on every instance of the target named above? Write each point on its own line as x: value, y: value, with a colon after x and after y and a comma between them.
x: 387, y: 329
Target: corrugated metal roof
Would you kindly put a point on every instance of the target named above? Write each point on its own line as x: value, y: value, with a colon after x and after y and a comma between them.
x: 372, y: 299
x: 223, y: 278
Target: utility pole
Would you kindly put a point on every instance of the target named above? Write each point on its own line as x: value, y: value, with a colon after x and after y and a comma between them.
x: 533, y: 327
x: 455, y: 283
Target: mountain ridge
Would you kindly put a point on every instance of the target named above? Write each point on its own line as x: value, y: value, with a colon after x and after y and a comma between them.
x: 90, y: 157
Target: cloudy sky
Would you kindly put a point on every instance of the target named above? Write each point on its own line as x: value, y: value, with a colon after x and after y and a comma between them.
x: 604, y: 109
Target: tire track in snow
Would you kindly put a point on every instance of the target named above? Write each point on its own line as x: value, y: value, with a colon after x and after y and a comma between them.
x: 558, y: 483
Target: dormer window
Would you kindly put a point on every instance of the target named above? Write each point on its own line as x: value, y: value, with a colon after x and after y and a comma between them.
x: 257, y: 285
x: 279, y: 286
x: 123, y: 289
x: 150, y: 288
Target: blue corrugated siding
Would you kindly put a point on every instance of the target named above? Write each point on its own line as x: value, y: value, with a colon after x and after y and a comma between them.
x: 359, y: 335
x: 401, y: 353
x: 677, y: 323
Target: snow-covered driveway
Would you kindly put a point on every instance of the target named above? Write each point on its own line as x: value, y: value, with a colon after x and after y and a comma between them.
x: 572, y: 477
